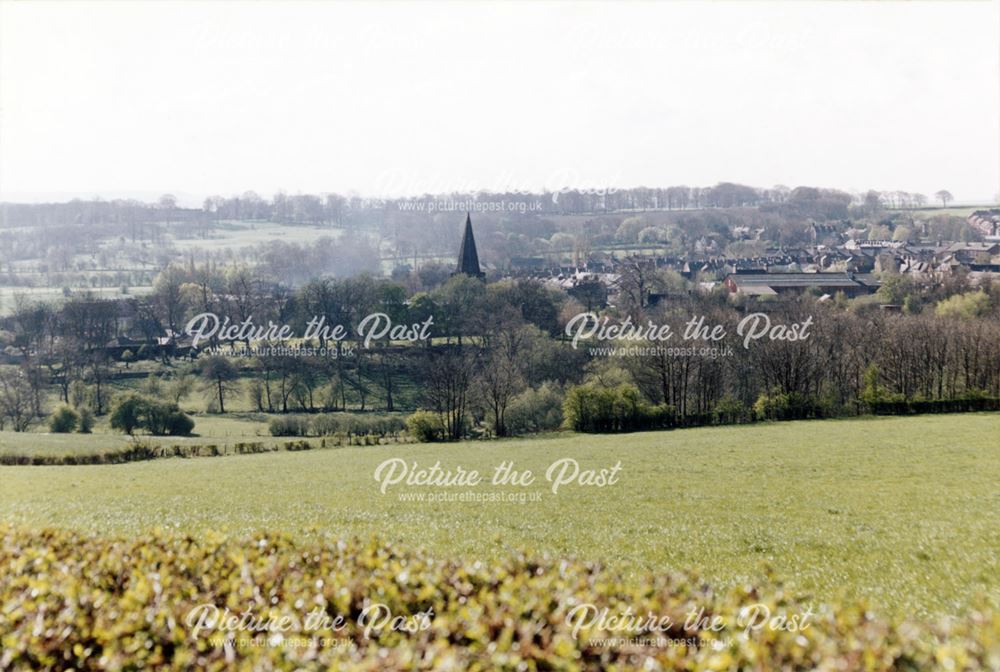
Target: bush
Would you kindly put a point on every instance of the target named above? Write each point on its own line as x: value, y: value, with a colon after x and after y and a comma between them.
x: 787, y: 406
x: 288, y: 425
x: 326, y: 424
x: 426, y: 426
x: 536, y: 410
x: 594, y: 408
x: 134, y: 411
x: 178, y: 424
x: 63, y: 421
x: 729, y: 410
x: 536, y: 592
x: 86, y: 423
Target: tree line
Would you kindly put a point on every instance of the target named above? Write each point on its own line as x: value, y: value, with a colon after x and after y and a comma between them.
x: 499, y: 361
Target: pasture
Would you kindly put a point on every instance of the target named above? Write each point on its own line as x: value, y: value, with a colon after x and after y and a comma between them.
x: 900, y: 512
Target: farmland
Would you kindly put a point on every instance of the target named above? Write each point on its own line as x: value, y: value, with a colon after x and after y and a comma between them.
x: 897, y: 511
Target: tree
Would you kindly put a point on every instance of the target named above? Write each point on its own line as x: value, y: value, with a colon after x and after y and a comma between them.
x: 179, y: 386
x: 168, y: 203
x: 944, y: 196
x: 448, y: 376
x: 133, y: 411
x: 220, y: 374
x: 16, y: 400
x: 501, y: 377
x: 168, y: 298
x: 964, y: 306
x: 126, y: 414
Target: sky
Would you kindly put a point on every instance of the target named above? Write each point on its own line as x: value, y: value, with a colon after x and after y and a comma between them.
x: 117, y: 99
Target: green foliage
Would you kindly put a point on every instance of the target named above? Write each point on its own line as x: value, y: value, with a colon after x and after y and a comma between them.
x: 133, y: 411
x: 730, y: 410
x: 964, y: 306
x: 126, y: 413
x: 165, y: 419
x: 628, y: 230
x: 536, y: 410
x: 351, y: 424
x: 63, y: 421
x: 873, y: 392
x: 778, y: 405
x: 426, y: 426
x: 151, y: 582
x: 595, y: 408
x: 921, y: 482
x: 895, y: 288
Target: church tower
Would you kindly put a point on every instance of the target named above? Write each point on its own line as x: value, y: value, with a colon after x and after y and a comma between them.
x: 468, y: 258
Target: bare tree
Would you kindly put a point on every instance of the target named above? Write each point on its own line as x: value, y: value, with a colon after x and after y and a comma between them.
x: 944, y: 196
x: 220, y: 374
x: 501, y: 377
x: 448, y: 375
x: 16, y: 400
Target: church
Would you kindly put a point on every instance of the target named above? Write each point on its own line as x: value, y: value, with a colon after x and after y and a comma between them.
x: 468, y: 258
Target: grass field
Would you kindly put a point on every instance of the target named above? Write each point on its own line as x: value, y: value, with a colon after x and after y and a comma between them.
x: 900, y: 511
x: 8, y: 295
x: 209, y: 429
x: 235, y: 235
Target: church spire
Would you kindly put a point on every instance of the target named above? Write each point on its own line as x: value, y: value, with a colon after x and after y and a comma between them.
x: 468, y: 258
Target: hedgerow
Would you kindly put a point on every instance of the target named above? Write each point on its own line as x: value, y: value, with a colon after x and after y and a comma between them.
x: 68, y: 600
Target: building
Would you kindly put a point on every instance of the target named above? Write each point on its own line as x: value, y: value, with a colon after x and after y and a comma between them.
x: 468, y: 257
x: 986, y: 222
x: 773, y: 284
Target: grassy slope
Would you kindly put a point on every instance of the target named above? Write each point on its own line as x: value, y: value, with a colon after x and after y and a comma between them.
x: 900, y: 510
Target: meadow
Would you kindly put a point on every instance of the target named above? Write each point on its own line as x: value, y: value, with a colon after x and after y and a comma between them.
x: 898, y: 512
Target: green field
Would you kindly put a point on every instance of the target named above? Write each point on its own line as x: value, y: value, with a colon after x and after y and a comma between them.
x: 233, y: 235
x: 899, y: 511
x: 210, y: 429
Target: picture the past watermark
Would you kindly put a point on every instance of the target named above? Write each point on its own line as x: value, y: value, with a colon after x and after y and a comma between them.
x: 504, y: 483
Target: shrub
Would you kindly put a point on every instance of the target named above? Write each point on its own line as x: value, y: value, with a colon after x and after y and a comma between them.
x: 63, y: 421
x: 426, y: 426
x: 964, y: 306
x: 134, y: 411
x: 301, y: 444
x: 594, y: 408
x: 288, y: 425
x: 536, y: 410
x: 332, y: 424
x: 325, y: 424
x: 538, y: 593
x: 729, y: 410
x: 779, y: 405
x: 178, y: 423
x: 86, y: 423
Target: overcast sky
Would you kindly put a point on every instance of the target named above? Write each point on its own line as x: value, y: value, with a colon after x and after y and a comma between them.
x: 139, y: 99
